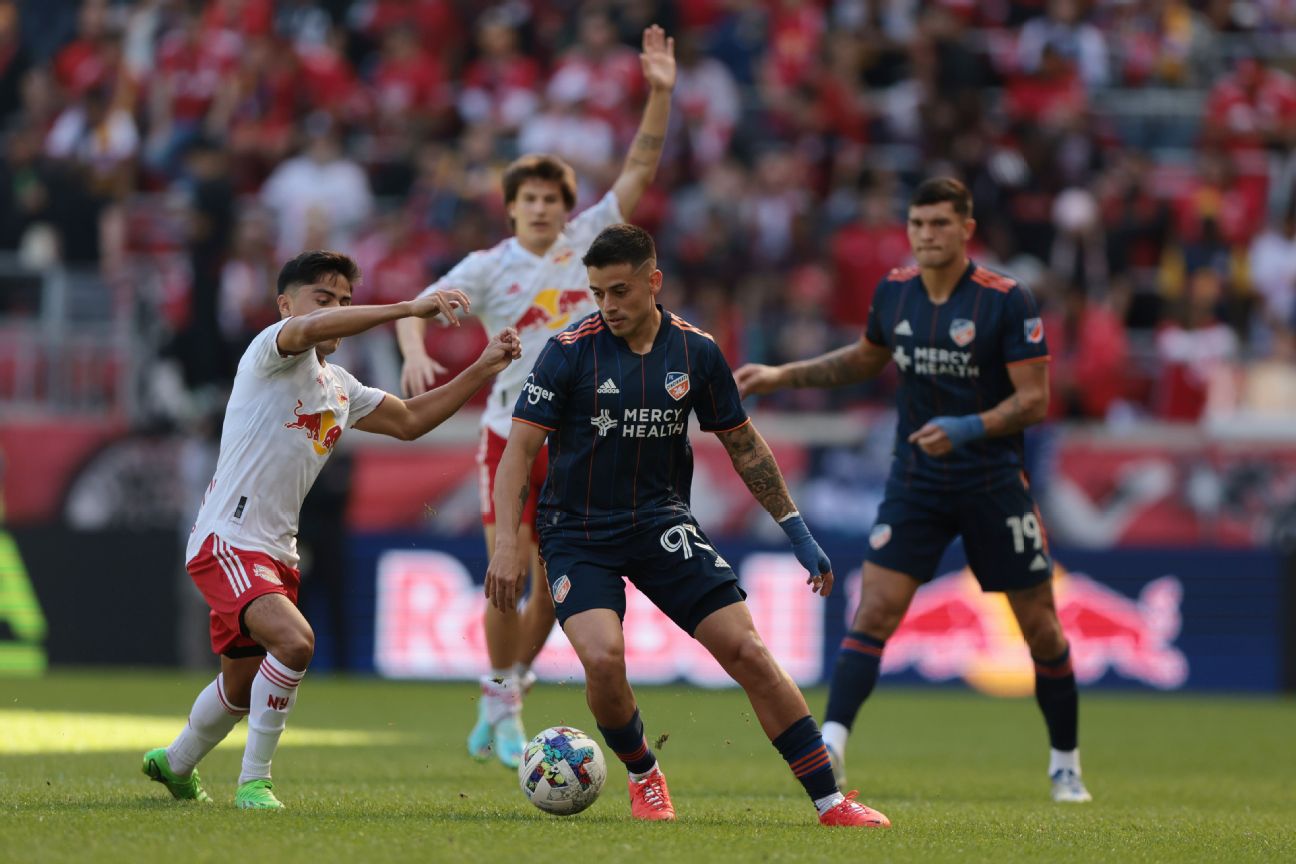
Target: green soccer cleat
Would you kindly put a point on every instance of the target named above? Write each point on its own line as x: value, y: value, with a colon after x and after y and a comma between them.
x: 156, y: 767
x: 482, y: 736
x: 257, y: 795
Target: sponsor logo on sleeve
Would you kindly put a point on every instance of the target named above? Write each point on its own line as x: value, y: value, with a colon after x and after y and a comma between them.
x: 535, y: 392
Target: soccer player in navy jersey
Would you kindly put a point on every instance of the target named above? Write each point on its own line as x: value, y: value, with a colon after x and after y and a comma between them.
x: 970, y: 348
x: 612, y: 394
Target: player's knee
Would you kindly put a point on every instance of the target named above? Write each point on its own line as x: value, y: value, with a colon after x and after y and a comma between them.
x: 605, y: 664
x: 751, y: 663
x: 877, y: 619
x: 296, y: 648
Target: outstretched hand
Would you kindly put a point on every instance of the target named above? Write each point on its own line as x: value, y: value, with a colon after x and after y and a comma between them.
x: 658, y: 58
x: 441, y: 303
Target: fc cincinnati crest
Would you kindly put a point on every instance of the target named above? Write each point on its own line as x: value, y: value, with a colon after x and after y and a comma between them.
x: 880, y: 535
x: 677, y: 385
x: 1034, y: 328
x: 962, y: 331
x: 560, y: 588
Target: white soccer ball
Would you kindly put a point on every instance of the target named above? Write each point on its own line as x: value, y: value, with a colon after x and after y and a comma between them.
x: 562, y: 771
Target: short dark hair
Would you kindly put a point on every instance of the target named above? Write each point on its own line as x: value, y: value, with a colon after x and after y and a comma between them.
x: 310, y: 267
x: 620, y: 244
x: 540, y: 166
x: 939, y: 189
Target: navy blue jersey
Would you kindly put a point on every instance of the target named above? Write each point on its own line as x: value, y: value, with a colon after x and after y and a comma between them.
x: 953, y: 359
x: 619, y: 456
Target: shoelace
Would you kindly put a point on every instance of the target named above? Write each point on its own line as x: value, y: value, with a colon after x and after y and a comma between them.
x: 652, y: 793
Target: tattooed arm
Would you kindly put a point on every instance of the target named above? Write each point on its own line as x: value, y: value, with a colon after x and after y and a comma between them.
x: 848, y: 365
x: 506, y: 575
x: 755, y: 464
x: 658, y: 62
x: 1027, y: 406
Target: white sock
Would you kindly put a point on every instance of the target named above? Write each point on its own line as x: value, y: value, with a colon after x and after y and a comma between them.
x: 1060, y: 759
x: 823, y: 805
x: 210, y: 719
x: 501, y: 695
x: 835, y: 735
x: 639, y: 778
x: 274, y: 692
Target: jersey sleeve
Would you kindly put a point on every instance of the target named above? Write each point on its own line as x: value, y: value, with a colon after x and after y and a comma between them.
x: 544, y: 392
x: 873, y: 329
x: 471, y: 276
x: 1023, y: 328
x: 263, y: 357
x: 584, y: 228
x: 717, y: 403
x: 363, y: 399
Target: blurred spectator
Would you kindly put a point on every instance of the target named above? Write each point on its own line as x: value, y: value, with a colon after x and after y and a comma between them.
x: 1272, y: 263
x: 500, y: 86
x: 707, y: 99
x: 319, y: 195
x: 863, y: 252
x: 604, y: 71
x: 1073, y: 40
x: 1196, y: 351
x: 1090, y: 350
x: 14, y: 59
x: 247, y: 282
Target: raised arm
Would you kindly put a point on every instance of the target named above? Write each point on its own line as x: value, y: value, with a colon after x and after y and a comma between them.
x: 658, y: 62
x: 1027, y: 406
x: 420, y: 371
x: 755, y: 464
x: 408, y: 419
x: 849, y: 365
x: 303, y: 332
x: 507, y: 573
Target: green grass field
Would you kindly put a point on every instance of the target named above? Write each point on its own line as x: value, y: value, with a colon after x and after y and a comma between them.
x: 375, y: 771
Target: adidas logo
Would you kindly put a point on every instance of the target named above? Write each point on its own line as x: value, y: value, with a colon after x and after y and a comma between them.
x: 903, y: 328
x: 1040, y: 563
x: 609, y: 387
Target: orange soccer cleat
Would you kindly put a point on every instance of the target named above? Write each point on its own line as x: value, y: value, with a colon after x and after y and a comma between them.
x: 650, y: 799
x: 849, y: 813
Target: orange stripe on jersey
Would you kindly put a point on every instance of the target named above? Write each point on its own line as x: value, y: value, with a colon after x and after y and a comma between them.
x: 990, y: 279
x: 532, y: 423
x: 902, y: 274
x: 723, y: 431
x: 684, y: 325
x: 1042, y: 359
x: 581, y: 332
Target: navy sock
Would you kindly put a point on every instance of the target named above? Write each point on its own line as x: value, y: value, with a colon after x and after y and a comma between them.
x: 630, y: 745
x: 1058, y: 698
x: 854, y: 677
x: 803, y: 748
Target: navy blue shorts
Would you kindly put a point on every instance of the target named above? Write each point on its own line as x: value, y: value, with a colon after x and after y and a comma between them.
x: 1002, y: 533
x: 674, y: 565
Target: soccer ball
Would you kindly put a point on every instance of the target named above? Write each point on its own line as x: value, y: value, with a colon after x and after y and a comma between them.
x: 562, y: 771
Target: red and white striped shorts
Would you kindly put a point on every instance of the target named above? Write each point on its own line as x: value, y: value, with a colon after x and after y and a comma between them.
x: 229, y: 580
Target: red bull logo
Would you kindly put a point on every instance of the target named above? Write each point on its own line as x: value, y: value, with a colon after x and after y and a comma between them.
x: 552, y: 308
x: 322, y: 429
x: 954, y: 630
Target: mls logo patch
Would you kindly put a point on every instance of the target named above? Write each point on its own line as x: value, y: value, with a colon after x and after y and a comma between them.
x: 261, y: 571
x: 1034, y: 328
x: 962, y: 331
x: 880, y: 535
x: 560, y: 588
x: 677, y: 385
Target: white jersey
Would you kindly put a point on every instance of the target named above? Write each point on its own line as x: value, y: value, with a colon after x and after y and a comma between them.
x: 537, y: 294
x: 285, y: 415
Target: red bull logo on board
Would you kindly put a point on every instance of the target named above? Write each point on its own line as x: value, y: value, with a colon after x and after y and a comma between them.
x: 955, y: 630
x: 322, y: 429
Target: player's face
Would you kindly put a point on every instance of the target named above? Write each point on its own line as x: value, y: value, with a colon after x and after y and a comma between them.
x: 538, y: 213
x: 331, y: 291
x: 938, y: 235
x: 627, y: 296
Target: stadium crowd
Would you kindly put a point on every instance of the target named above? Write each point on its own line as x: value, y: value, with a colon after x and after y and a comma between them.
x: 1131, y: 161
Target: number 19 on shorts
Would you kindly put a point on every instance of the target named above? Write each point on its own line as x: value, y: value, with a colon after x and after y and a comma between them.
x: 1025, y: 528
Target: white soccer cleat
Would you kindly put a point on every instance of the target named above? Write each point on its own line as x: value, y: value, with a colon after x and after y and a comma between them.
x: 838, y: 763
x: 1068, y: 788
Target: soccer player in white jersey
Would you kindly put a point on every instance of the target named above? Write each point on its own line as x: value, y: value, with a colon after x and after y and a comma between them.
x: 535, y: 282
x: 286, y: 412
